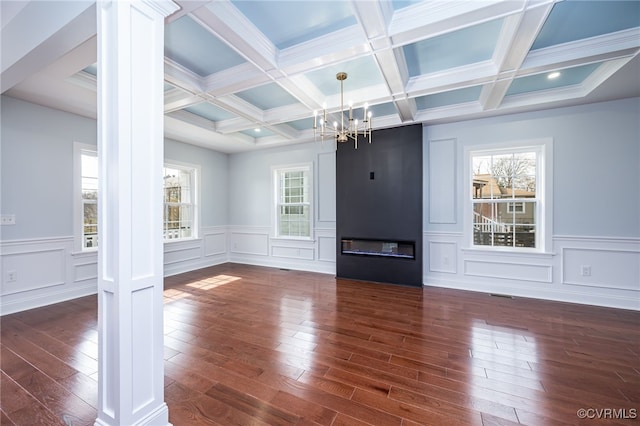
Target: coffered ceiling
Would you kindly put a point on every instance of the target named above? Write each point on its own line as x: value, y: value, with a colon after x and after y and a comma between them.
x: 242, y: 75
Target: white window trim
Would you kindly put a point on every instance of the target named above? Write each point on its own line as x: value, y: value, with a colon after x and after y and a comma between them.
x: 196, y: 231
x: 78, y: 213
x: 275, y: 170
x: 544, y: 187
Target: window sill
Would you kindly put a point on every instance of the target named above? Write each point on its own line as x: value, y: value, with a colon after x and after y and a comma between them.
x: 85, y: 253
x: 293, y: 239
x: 529, y: 253
x: 181, y: 240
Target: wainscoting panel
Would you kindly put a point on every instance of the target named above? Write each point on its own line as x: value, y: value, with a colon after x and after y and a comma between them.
x: 326, y: 245
x: 610, y: 264
x: 39, y: 272
x: 33, y: 270
x: 508, y: 270
x: 215, y: 243
x: 183, y: 251
x: 442, y: 256
x: 292, y: 252
x: 253, y: 241
x: 85, y: 268
x: 188, y: 255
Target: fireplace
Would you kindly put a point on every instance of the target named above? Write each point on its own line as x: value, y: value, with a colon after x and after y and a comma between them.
x: 382, y: 248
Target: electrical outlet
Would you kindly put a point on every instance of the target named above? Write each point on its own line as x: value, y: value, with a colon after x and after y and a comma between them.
x: 8, y: 219
x: 585, y: 270
x: 12, y: 276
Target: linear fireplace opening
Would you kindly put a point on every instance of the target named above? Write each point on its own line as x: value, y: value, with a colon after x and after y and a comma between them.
x: 383, y: 248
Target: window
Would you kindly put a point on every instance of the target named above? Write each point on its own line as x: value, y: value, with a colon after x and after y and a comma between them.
x: 179, y: 219
x: 507, y: 200
x: 89, y: 197
x: 293, y: 201
x: 180, y: 199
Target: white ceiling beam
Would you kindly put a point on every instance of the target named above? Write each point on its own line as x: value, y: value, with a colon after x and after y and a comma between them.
x: 28, y: 48
x: 432, y: 18
x: 610, y: 46
x: 224, y: 21
x: 517, y: 35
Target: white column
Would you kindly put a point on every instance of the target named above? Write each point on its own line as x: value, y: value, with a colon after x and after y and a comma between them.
x: 130, y: 254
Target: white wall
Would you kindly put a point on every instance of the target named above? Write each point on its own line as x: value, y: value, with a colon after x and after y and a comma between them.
x: 251, y: 209
x: 37, y: 186
x: 596, y: 152
x: 596, y: 207
x: 37, y: 168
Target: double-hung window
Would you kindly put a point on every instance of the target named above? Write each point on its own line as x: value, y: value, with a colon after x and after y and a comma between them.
x: 180, y: 197
x: 89, y: 198
x: 293, y: 201
x: 180, y: 184
x: 508, y: 200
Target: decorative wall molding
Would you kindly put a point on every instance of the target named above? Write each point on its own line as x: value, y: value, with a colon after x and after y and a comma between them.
x: 442, y: 256
x: 62, y: 273
x: 601, y: 262
x: 208, y: 250
x: 37, y: 272
x: 442, y: 181
x: 255, y: 246
x: 612, y: 265
x: 614, y: 281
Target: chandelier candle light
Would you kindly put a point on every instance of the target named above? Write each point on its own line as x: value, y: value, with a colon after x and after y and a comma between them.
x: 342, y: 134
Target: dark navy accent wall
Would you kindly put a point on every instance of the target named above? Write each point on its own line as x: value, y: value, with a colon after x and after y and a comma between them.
x: 379, y: 197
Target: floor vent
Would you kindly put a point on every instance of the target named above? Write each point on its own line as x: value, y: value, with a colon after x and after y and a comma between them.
x: 506, y: 296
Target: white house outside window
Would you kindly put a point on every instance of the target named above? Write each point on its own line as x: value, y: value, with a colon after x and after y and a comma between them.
x: 293, y: 202
x: 507, y: 197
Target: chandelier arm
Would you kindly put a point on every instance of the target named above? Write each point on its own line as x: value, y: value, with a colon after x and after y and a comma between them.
x: 352, y: 130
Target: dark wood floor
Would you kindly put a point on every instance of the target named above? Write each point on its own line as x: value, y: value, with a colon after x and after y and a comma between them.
x: 249, y: 345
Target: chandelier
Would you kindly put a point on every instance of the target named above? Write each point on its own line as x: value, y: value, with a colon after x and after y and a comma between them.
x: 341, y: 132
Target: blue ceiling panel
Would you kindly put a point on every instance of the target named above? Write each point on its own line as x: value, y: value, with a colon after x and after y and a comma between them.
x: 92, y: 69
x: 287, y: 23
x: 453, y: 97
x: 361, y: 73
x: 258, y: 133
x: 210, y: 112
x: 267, y: 96
x: 568, y: 77
x: 383, y: 109
x: 304, y: 124
x: 577, y: 20
x: 193, y: 47
x: 401, y: 4
x: 380, y: 110
x: 463, y: 47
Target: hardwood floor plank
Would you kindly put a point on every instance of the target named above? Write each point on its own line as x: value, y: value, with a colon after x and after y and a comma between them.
x: 250, y: 345
x: 21, y: 408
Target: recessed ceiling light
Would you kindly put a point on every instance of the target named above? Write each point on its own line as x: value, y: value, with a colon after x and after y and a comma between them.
x: 553, y: 75
x: 257, y: 130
